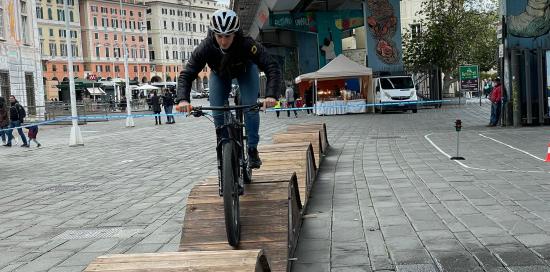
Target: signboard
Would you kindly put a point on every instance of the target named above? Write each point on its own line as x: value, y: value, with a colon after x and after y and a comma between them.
x: 469, y: 77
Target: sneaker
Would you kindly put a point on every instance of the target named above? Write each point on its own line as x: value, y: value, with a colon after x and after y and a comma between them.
x: 25, y: 145
x: 39, y: 145
x: 254, y: 161
x: 7, y: 145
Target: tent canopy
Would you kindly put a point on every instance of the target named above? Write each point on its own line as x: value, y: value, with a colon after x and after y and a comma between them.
x: 146, y: 87
x: 339, y: 68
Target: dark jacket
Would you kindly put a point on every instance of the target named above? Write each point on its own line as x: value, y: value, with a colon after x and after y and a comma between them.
x: 155, y: 103
x: 168, y: 100
x: 4, y: 118
x: 14, y: 113
x: 243, y: 50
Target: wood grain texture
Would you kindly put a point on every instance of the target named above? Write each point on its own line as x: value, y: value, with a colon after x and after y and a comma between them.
x: 270, y: 218
x: 312, y: 127
x: 202, y: 261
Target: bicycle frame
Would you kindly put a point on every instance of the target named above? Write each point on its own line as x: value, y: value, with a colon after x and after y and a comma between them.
x: 231, y: 130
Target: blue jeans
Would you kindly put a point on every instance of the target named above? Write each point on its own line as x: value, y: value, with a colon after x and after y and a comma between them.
x: 168, y: 110
x: 495, y: 113
x: 3, y: 133
x: 14, y: 124
x: 249, y: 86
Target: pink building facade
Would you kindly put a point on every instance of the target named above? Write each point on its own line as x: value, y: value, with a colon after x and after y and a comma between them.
x: 102, y: 39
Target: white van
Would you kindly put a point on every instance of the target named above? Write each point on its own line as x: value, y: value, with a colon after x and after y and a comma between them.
x: 397, y: 92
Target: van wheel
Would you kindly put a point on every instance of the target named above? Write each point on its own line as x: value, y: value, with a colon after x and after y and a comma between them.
x: 415, y: 111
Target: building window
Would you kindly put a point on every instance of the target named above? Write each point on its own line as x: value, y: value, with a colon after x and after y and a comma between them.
x: 50, y: 16
x: 53, y: 49
x: 1, y: 22
x: 415, y: 30
x: 5, y: 85
x: 39, y: 13
x: 107, y: 68
x: 133, y: 38
x: 115, y: 37
x: 152, y: 55
x: 135, y: 69
x: 174, y: 40
x: 131, y: 13
x: 63, y: 50
x: 139, y: 14
x: 64, y: 68
x: 99, y: 68
x: 165, y: 40
x: 31, y: 95
x: 54, y: 68
x: 74, y: 49
x: 96, y: 36
x: 140, y: 38
x: 95, y: 21
x: 142, y: 53
x: 167, y: 55
x: 71, y: 16
x: 24, y: 23
x: 148, y: 25
x: 149, y: 40
x: 175, y: 55
x: 97, y: 52
x: 107, y: 52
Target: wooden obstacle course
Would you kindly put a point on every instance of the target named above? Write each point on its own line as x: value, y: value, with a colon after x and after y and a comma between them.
x: 289, y: 157
x: 321, y: 127
x: 201, y: 261
x: 313, y: 137
x: 270, y: 219
x: 271, y: 211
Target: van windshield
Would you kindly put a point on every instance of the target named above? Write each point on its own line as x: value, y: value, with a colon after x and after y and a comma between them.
x: 396, y: 83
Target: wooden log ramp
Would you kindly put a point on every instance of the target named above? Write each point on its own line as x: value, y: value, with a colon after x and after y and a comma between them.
x: 199, y: 261
x: 271, y: 214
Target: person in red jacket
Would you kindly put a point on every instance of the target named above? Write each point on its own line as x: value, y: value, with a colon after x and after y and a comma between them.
x: 496, y: 103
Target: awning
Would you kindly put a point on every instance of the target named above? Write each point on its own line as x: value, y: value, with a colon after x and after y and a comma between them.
x: 95, y: 91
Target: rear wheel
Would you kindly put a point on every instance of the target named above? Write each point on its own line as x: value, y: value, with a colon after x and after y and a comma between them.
x: 230, y: 179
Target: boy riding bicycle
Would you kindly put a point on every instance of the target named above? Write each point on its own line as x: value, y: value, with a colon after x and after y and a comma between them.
x: 230, y: 54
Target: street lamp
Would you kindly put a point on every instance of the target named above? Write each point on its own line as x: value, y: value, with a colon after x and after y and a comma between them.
x: 76, y: 136
x: 129, y: 118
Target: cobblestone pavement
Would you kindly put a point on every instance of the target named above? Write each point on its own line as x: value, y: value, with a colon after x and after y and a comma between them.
x: 387, y: 197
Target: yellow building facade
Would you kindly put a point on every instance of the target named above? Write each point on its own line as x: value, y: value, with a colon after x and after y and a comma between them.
x: 53, y: 35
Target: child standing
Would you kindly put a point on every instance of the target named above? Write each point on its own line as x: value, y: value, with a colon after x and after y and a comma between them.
x: 33, y: 131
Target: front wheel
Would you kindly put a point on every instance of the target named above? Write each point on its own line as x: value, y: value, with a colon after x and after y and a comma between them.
x: 230, y: 180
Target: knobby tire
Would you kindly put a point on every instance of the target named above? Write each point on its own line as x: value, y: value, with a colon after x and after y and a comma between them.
x: 231, y: 205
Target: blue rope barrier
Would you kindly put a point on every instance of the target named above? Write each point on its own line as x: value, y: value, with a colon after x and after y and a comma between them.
x: 123, y: 116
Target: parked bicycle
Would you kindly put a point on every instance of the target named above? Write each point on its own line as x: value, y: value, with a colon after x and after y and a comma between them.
x: 233, y: 169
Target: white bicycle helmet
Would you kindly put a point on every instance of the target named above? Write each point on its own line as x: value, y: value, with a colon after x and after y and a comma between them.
x: 225, y: 22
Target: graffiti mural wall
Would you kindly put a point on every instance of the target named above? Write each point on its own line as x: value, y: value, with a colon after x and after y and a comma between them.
x: 327, y: 25
x: 528, y: 23
x: 384, y: 32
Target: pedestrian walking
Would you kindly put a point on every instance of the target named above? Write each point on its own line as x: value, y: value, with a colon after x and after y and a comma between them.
x: 168, y: 103
x: 155, y: 105
x: 496, y: 99
x: 33, y: 131
x: 289, y: 95
x: 279, y: 105
x: 17, y: 117
x: 4, y: 119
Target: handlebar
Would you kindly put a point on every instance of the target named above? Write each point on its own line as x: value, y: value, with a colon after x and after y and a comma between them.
x: 228, y: 108
x: 198, y: 111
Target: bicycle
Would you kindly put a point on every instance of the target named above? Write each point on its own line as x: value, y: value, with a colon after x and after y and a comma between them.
x: 233, y: 169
